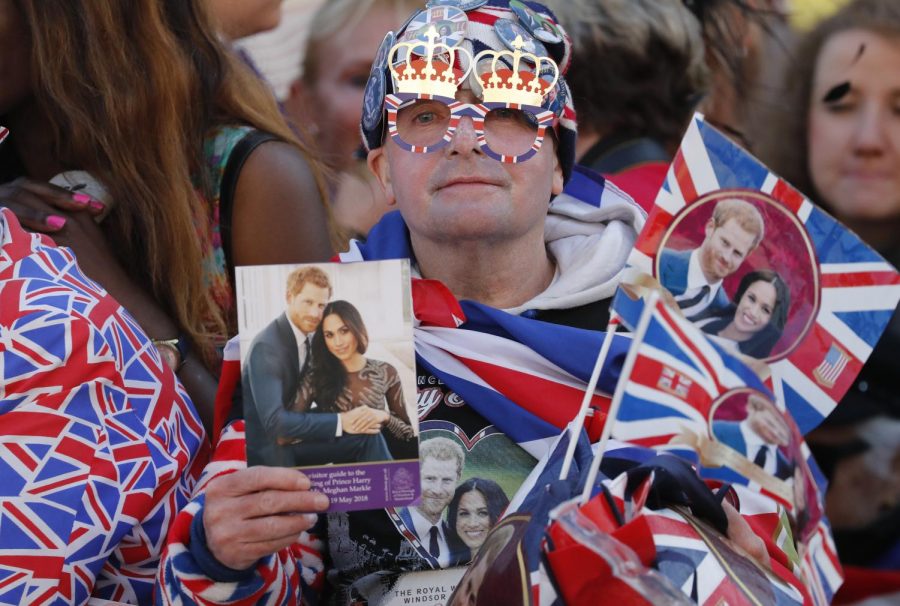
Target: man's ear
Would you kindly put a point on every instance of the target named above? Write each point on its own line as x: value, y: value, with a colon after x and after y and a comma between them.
x: 380, y: 166
x: 710, y: 227
x: 558, y: 183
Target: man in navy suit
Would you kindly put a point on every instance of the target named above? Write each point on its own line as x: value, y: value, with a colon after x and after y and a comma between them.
x: 759, y: 437
x: 278, y: 359
x: 695, y: 276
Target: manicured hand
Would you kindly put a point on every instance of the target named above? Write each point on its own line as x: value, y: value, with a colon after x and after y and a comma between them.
x: 44, y: 207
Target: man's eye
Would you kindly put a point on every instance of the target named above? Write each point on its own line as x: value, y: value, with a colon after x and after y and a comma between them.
x: 424, y: 117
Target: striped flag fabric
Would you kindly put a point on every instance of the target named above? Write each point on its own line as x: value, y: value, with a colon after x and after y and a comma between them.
x: 842, y: 293
x: 675, y: 376
x: 4, y: 133
x: 507, y: 367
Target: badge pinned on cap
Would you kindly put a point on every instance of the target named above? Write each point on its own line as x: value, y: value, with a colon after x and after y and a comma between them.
x: 375, y: 86
x: 449, y: 22
x: 465, y: 5
x: 540, y: 27
x: 508, y: 31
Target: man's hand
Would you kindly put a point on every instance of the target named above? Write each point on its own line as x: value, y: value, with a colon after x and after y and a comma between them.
x: 363, y: 420
x: 256, y: 511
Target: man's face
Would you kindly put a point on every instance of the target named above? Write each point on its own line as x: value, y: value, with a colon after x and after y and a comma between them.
x: 439, y: 478
x: 724, y: 249
x: 305, y: 308
x: 765, y: 420
x: 458, y: 194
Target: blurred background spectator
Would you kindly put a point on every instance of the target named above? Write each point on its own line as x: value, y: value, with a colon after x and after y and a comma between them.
x: 278, y: 53
x: 326, y: 100
x: 837, y: 138
x: 637, y: 75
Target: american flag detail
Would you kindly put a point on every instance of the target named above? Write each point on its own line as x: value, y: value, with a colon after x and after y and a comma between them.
x: 101, y: 447
x: 832, y: 366
x: 858, y: 290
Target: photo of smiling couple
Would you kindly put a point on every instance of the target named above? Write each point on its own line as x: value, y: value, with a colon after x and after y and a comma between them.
x: 327, y: 381
x: 752, y: 318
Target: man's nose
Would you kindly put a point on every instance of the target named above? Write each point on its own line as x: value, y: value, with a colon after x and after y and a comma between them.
x: 465, y: 139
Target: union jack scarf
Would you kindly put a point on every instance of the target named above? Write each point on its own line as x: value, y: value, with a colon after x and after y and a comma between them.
x: 525, y: 376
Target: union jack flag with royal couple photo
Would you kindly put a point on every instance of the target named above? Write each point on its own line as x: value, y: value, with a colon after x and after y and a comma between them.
x: 840, y: 293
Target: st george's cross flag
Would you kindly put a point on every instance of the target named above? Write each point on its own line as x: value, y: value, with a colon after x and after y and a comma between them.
x: 839, y: 294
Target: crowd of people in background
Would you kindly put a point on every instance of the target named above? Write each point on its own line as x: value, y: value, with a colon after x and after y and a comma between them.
x: 146, y: 142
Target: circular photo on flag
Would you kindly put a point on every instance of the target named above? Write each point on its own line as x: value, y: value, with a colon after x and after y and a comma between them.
x: 768, y: 443
x: 742, y: 267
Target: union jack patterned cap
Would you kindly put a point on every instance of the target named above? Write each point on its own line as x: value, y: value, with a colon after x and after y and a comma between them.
x: 471, y: 25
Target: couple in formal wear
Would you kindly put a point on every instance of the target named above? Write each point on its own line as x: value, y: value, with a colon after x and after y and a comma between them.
x: 311, y: 396
x: 753, y: 319
x: 451, y: 519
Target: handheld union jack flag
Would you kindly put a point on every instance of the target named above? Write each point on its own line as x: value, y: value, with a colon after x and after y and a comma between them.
x: 723, y: 225
x: 4, y: 133
x: 682, y: 393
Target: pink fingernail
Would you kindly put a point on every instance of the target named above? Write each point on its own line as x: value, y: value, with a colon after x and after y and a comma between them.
x: 97, y: 204
x: 82, y: 199
x: 55, y: 221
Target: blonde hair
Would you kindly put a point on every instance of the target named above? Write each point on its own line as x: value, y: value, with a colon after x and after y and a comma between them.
x: 335, y: 15
x: 443, y: 449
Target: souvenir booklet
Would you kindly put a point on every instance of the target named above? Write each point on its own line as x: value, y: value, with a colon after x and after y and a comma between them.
x: 328, y: 377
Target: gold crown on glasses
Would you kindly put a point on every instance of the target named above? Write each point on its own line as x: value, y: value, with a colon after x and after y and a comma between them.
x: 520, y: 84
x: 431, y: 73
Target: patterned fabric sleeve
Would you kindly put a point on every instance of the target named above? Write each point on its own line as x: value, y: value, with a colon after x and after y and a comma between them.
x: 291, y: 576
x: 100, y: 445
x: 398, y: 424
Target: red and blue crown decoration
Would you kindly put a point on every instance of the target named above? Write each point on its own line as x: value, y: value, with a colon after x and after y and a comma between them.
x: 504, y: 50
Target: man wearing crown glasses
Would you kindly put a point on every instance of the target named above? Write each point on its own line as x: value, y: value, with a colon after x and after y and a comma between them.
x: 472, y: 135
